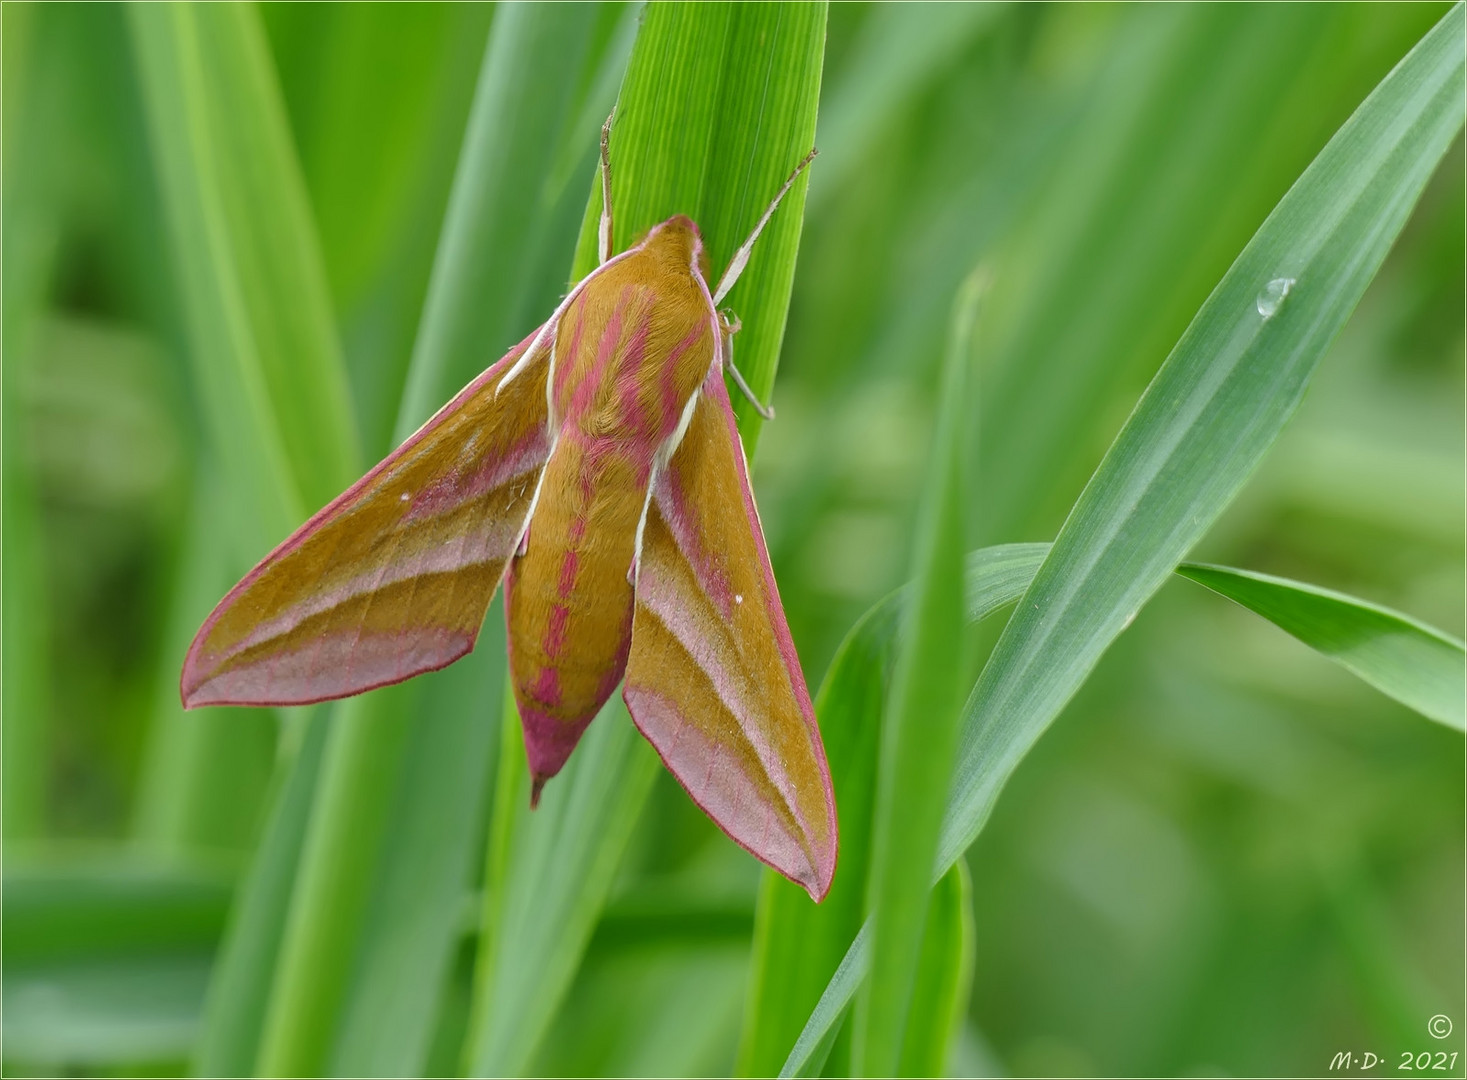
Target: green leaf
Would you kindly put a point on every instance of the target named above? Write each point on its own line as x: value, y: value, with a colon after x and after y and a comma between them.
x: 379, y: 103
x: 1207, y: 419
x: 944, y: 977
x: 718, y: 105
x: 511, y: 194
x: 269, y: 371
x: 1211, y: 413
x: 205, y: 772
x: 920, y: 727
x: 261, y: 332
x: 415, y: 897
x: 548, y: 875
x: 328, y: 906
x: 1414, y: 663
x: 799, y: 945
x: 516, y: 203
x: 239, y: 989
x: 30, y: 242
x: 798, y: 948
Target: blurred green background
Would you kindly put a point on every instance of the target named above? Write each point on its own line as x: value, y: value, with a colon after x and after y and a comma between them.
x: 1228, y: 856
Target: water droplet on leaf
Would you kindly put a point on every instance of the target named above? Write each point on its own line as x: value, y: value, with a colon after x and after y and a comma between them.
x: 1272, y: 296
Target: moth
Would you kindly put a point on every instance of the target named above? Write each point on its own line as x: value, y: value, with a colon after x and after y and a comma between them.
x: 597, y: 472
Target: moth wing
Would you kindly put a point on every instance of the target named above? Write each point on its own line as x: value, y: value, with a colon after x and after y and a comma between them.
x: 712, y: 678
x: 393, y: 577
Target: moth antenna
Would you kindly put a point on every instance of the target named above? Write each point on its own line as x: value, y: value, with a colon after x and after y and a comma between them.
x: 603, y: 234
x: 741, y: 257
x: 766, y: 411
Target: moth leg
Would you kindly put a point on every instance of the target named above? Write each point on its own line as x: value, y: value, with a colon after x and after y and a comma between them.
x: 731, y: 326
x: 741, y: 257
x: 603, y: 233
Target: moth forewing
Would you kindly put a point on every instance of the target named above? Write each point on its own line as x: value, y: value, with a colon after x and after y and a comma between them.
x: 391, y: 579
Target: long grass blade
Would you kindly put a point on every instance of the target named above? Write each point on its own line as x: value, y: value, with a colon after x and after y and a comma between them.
x: 245, y: 968
x: 510, y: 229
x: 268, y: 369
x: 30, y: 241
x: 921, y: 724
x: 1208, y: 417
x: 944, y: 977
x: 379, y: 102
x: 204, y: 772
x: 1211, y: 413
x: 717, y: 106
x: 798, y: 946
x: 516, y: 203
x: 547, y: 878
x: 261, y: 332
x: 328, y: 905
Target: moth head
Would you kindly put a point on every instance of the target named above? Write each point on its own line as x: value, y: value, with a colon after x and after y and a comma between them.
x: 678, y: 242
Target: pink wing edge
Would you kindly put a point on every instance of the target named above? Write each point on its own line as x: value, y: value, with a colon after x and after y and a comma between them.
x: 714, y: 389
x: 295, y: 539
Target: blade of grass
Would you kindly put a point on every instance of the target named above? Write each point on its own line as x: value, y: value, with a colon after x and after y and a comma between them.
x: 508, y: 197
x: 29, y: 251
x: 239, y: 988
x: 327, y: 911
x: 547, y: 878
x: 944, y: 977
x: 920, y: 728
x: 717, y: 106
x: 379, y: 102
x: 1211, y: 413
x: 203, y: 772
x: 798, y: 945
x: 1414, y: 663
x: 1188, y: 139
x: 514, y: 210
x: 419, y: 881
x: 1208, y: 417
x: 270, y: 376
x: 265, y: 358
